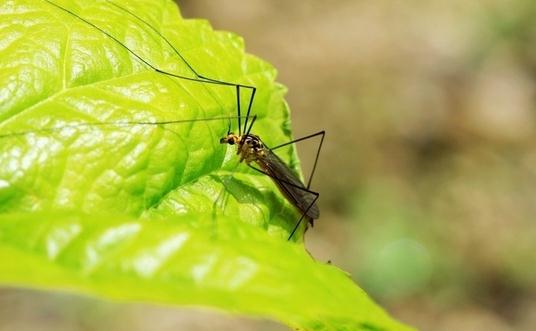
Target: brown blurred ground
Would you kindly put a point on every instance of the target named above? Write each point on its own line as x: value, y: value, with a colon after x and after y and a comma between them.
x: 428, y: 173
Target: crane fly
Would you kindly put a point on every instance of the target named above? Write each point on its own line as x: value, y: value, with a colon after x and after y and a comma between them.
x: 249, y: 147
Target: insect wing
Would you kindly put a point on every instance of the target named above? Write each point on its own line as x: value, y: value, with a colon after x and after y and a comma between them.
x: 289, y: 184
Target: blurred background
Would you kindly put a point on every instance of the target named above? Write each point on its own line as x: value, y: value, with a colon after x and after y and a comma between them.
x: 428, y: 172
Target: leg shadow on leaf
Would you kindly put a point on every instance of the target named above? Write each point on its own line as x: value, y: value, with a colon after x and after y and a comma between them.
x: 253, y: 200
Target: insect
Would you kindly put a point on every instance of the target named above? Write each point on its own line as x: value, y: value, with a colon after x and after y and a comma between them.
x: 250, y: 147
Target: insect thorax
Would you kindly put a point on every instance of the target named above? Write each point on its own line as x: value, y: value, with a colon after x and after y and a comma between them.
x: 249, y: 146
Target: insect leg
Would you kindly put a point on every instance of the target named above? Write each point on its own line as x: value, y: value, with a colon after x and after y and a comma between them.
x: 316, y: 195
x: 254, y: 89
x: 176, y: 51
x: 320, y: 133
x: 198, y: 78
x: 198, y: 75
x: 302, y: 216
x: 238, y: 110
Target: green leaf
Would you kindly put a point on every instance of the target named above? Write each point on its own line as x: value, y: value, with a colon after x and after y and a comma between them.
x: 157, y: 213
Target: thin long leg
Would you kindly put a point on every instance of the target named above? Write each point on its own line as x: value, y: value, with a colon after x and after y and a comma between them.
x: 113, y: 123
x: 134, y: 53
x: 176, y: 51
x: 251, y: 124
x: 249, y: 108
x: 319, y: 133
x: 301, y: 218
x: 238, y: 109
x: 316, y: 194
x: 284, y: 181
x: 200, y: 78
x: 159, y: 34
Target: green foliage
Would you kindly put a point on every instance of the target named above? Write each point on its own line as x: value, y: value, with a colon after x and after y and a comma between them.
x: 157, y: 213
